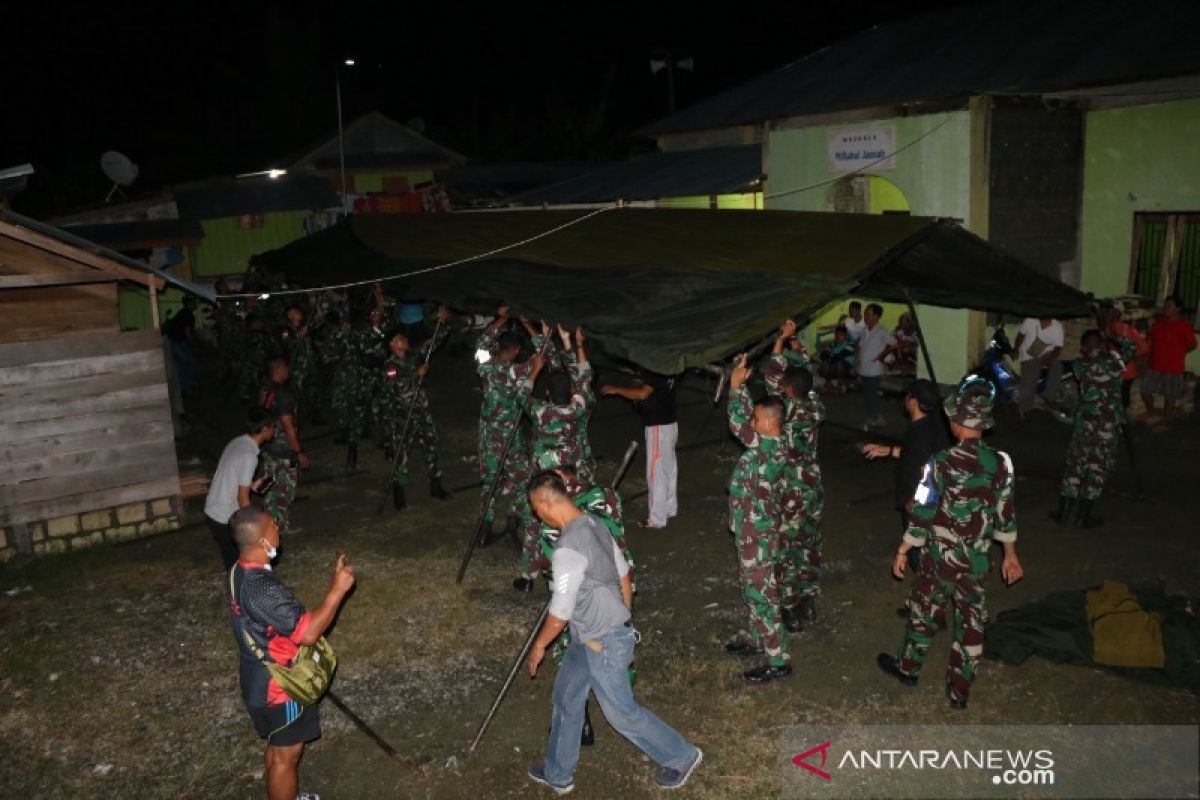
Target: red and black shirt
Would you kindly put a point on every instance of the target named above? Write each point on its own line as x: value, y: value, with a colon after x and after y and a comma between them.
x: 267, y: 610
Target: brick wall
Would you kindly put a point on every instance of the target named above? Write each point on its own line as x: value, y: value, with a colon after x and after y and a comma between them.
x: 76, y: 531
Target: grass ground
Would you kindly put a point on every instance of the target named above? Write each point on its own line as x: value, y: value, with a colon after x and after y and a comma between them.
x: 118, y: 669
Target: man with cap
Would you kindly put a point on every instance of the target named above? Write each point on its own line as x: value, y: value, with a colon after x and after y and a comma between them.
x: 926, y: 436
x: 962, y: 504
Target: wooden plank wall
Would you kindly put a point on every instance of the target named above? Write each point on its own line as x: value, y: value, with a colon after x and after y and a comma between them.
x: 38, y: 312
x: 85, y: 424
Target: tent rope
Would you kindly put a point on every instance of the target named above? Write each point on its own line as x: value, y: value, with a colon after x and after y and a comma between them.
x: 468, y: 259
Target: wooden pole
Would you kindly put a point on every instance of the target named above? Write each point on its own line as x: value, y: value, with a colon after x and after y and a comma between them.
x: 153, y: 304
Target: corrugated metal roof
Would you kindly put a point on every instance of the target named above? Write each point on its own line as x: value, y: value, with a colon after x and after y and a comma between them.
x: 68, y: 238
x: 232, y: 197
x: 1015, y: 47
x: 375, y: 140
x: 686, y: 173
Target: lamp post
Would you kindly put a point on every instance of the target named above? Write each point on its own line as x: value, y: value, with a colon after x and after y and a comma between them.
x: 349, y: 62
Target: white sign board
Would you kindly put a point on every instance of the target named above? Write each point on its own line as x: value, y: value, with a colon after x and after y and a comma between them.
x: 862, y: 149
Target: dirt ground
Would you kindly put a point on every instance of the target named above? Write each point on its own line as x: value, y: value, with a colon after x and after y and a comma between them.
x: 118, y: 672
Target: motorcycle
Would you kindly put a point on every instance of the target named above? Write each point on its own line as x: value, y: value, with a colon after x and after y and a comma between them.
x: 997, y: 368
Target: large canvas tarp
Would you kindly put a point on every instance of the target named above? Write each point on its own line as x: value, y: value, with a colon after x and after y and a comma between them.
x: 671, y: 288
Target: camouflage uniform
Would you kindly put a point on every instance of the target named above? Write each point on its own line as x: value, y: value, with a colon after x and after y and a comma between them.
x: 754, y: 511
x: 600, y: 501
x: 302, y: 365
x: 963, y: 503
x: 278, y: 500
x: 581, y: 376
x: 365, y: 380
x: 555, y: 436
x: 402, y: 390
x: 335, y: 350
x: 1092, y: 453
x: 503, y: 388
x: 231, y: 330
x: 802, y: 500
x: 256, y: 349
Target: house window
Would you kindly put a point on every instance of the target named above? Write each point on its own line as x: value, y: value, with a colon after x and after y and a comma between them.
x: 1166, y: 258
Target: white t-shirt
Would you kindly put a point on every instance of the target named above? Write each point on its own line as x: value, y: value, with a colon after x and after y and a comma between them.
x: 236, y: 468
x: 854, y: 329
x: 873, y: 342
x: 1032, y: 330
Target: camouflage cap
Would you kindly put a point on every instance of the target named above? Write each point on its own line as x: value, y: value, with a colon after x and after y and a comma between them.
x: 971, y: 405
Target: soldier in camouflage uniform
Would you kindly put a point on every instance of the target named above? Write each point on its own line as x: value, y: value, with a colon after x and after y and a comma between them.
x: 284, y: 454
x: 231, y: 329
x: 963, y: 503
x: 556, y: 417
x: 755, y: 490
x: 364, y: 381
x: 503, y: 385
x: 301, y: 353
x: 404, y: 399
x: 256, y: 349
x: 803, y: 499
x: 1099, y: 418
x: 601, y: 501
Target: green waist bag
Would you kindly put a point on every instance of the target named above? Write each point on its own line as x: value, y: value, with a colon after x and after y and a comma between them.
x: 307, y: 678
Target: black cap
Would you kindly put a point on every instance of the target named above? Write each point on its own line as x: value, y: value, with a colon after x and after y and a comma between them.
x: 925, y: 392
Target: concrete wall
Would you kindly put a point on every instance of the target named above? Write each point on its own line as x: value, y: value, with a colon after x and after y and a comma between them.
x: 1143, y: 158
x: 934, y: 177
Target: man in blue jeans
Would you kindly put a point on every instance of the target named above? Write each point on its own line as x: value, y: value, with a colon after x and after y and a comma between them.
x: 593, y: 593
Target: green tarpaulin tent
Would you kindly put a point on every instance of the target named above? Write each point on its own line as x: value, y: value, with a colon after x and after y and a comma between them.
x: 673, y: 288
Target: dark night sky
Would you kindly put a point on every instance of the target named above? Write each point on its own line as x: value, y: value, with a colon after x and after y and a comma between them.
x: 191, y: 89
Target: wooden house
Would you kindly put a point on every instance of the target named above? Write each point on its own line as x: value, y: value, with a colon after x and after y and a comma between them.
x: 87, y: 453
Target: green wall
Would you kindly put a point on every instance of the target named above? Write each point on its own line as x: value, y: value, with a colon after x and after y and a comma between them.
x: 749, y: 200
x: 372, y: 180
x: 931, y: 176
x: 1144, y: 158
x: 226, y: 248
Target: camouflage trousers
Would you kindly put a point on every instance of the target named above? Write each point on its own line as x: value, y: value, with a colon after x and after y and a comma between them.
x: 278, y: 500
x: 1091, y: 455
x: 249, y: 376
x: 949, y: 576
x: 513, y: 478
x: 758, y: 554
x: 349, y: 403
x: 798, y: 569
x: 422, y: 433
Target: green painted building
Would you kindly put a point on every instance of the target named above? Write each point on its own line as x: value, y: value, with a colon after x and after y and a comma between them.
x: 1063, y: 133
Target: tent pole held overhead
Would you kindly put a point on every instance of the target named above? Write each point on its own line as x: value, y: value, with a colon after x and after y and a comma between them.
x: 912, y: 309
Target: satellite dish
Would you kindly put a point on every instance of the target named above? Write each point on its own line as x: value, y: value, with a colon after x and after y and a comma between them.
x: 119, y: 169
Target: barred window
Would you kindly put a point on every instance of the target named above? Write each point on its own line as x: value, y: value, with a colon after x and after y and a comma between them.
x: 1166, y: 258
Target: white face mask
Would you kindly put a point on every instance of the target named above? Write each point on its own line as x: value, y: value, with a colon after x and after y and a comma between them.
x: 270, y: 551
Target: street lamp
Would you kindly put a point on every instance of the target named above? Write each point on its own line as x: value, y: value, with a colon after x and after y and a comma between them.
x: 349, y: 62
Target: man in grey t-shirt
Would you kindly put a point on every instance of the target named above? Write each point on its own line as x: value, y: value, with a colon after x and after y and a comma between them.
x: 234, y: 479
x: 593, y: 594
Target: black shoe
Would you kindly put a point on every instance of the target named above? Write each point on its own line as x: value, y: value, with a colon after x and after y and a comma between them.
x: 888, y: 664
x: 588, y: 737
x: 806, y: 609
x: 437, y: 490
x: 742, y: 649
x: 351, y: 456
x: 1086, y: 519
x: 523, y: 584
x: 791, y: 620
x: 487, y: 536
x: 903, y: 613
x: 1065, y: 512
x: 766, y: 673
x: 958, y: 703
x: 399, y: 501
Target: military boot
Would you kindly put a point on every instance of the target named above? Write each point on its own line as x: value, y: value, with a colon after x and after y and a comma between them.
x: 351, y: 456
x: 791, y: 620
x: 1065, y: 512
x: 437, y: 490
x: 1086, y: 519
x: 399, y: 501
x: 513, y: 531
x: 806, y: 609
